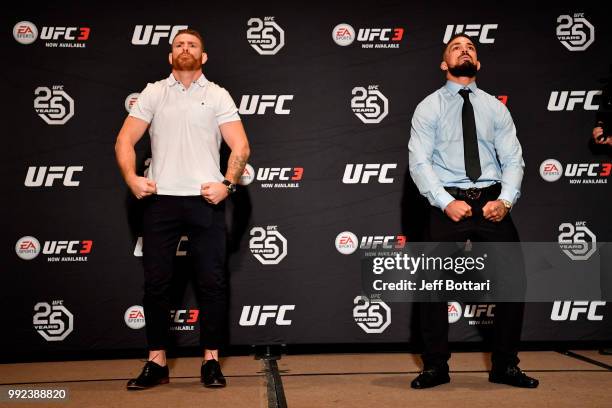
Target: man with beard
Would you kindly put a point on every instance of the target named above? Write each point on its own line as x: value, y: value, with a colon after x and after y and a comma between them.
x: 187, y: 116
x: 465, y: 158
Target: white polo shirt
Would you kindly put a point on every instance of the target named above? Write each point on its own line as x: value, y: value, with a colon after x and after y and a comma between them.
x: 184, y: 130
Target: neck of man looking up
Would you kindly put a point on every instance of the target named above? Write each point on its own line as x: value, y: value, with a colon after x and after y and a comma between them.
x: 465, y: 81
x: 187, y: 77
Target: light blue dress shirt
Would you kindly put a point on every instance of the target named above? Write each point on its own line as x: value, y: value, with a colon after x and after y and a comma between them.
x: 436, y: 145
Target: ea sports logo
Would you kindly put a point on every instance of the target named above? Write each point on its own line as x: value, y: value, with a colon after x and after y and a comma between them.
x: 343, y: 34
x: 25, y: 32
x: 248, y: 175
x: 131, y: 100
x: 27, y: 248
x: 454, y: 312
x: 347, y: 242
x: 134, y: 317
x: 551, y: 170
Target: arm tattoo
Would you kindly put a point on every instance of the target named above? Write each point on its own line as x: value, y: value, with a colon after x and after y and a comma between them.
x: 235, y: 166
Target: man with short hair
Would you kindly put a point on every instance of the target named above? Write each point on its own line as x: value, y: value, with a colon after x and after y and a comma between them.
x: 465, y: 159
x: 187, y: 116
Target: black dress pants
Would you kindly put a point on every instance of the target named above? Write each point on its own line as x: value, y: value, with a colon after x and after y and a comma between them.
x: 166, y: 218
x: 508, y: 315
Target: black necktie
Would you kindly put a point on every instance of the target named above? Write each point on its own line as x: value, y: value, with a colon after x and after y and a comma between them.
x: 470, y: 142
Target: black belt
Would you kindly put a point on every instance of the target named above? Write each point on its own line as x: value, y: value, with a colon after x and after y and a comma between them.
x: 474, y: 193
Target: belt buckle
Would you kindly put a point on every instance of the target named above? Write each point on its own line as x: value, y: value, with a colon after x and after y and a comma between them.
x: 473, y: 193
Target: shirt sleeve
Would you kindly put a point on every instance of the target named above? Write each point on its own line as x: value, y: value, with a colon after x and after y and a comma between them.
x: 420, y: 153
x: 226, y: 109
x: 144, y: 108
x: 509, y: 153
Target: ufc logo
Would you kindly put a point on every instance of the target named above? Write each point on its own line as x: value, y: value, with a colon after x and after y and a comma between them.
x: 569, y: 310
x: 184, y: 316
x: 36, y: 176
x: 478, y: 310
x: 384, y: 34
x: 250, y: 104
x: 284, y: 174
x: 69, y: 247
x: 567, y: 100
x: 361, y: 173
x: 151, y: 34
x: 480, y: 31
x: 67, y: 33
x: 259, y: 315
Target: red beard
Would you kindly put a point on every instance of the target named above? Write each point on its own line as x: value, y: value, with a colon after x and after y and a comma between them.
x: 185, y: 62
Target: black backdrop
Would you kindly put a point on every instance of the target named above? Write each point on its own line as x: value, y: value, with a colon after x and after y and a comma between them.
x: 305, y: 131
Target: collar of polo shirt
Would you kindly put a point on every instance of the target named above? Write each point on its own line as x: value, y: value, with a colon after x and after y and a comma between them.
x: 201, y: 81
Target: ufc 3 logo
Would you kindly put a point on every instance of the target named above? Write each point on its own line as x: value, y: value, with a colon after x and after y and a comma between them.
x: 251, y: 104
x: 588, y: 169
x: 152, y: 34
x: 65, y: 33
x: 69, y: 247
x: 361, y: 173
x: 479, y: 310
x: 382, y: 34
x: 568, y: 310
x: 265, y: 36
x: 480, y: 31
x: 184, y: 316
x: 259, y: 315
x: 383, y: 241
x: 37, y: 176
x: 567, y: 100
x: 280, y: 173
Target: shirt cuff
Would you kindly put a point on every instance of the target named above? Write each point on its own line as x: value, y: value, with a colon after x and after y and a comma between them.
x: 138, y: 116
x: 444, y: 199
x: 508, y: 196
x: 228, y: 118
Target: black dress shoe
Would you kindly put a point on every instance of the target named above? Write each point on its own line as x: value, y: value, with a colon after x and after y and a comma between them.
x: 152, y: 374
x: 211, y: 374
x: 512, y: 375
x: 430, y: 378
